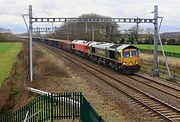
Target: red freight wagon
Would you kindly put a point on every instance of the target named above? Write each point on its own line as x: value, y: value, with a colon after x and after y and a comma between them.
x: 65, y: 44
x: 80, y: 46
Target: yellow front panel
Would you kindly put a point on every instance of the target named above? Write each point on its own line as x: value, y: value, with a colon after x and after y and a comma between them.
x: 131, y: 60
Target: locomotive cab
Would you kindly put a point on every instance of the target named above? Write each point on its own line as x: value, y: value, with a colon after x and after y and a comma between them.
x: 130, y: 58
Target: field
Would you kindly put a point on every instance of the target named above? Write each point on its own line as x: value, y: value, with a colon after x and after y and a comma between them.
x: 167, y: 48
x: 8, y: 54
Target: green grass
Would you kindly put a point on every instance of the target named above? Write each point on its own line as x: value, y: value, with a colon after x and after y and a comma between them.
x: 167, y: 48
x: 8, y: 54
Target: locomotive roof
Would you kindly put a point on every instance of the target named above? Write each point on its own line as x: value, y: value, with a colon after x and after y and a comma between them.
x: 94, y: 43
x: 102, y: 45
x: 79, y: 42
x: 83, y: 42
x: 122, y: 47
x: 112, y: 46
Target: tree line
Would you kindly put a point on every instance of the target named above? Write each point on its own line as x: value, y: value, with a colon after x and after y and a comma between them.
x: 107, y: 32
x: 7, y: 35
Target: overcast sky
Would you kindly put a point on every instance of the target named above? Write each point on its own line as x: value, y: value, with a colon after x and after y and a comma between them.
x: 10, y: 11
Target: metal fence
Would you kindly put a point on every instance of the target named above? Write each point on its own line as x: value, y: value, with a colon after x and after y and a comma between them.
x: 55, y: 106
x: 177, y: 55
x: 88, y: 114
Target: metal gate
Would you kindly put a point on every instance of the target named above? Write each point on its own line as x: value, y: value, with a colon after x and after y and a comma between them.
x: 55, y: 106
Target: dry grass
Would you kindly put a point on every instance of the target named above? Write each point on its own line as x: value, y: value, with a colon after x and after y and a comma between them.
x: 4, y: 95
x: 48, y: 68
x: 175, y: 62
x: 45, y: 66
x: 147, y: 66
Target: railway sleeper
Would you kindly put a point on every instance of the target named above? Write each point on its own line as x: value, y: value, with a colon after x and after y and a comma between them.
x: 139, y: 97
x: 145, y: 99
x: 173, y: 116
x: 152, y: 104
x: 159, y: 107
x: 164, y: 111
x: 170, y: 114
x: 178, y: 119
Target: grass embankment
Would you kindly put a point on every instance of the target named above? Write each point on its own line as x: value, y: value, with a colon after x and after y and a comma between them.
x: 167, y: 48
x: 8, y: 54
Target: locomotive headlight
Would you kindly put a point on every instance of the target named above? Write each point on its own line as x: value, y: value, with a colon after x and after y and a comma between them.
x: 124, y: 63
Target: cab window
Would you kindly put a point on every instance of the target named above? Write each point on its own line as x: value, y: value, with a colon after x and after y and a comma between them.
x: 126, y: 54
x: 134, y: 53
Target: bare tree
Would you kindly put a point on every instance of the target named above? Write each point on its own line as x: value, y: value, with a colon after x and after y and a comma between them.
x: 83, y: 30
x: 4, y: 30
x: 7, y: 35
x: 150, y: 32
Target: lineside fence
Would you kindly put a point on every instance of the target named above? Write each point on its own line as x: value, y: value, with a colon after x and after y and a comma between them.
x: 55, y: 106
x: 177, y: 55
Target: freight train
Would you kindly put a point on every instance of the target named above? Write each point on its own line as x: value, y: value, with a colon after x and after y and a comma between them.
x: 121, y: 57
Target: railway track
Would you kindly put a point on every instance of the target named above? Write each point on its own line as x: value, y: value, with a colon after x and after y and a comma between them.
x: 168, y: 89
x: 159, y: 108
x: 159, y: 80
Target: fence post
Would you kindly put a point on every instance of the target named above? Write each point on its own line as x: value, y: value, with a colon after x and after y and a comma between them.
x: 51, y: 107
x: 88, y: 111
x: 73, y: 106
x: 85, y: 109
x: 100, y: 119
x: 81, y: 106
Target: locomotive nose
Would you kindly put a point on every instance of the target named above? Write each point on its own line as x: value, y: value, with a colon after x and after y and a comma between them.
x: 130, y: 61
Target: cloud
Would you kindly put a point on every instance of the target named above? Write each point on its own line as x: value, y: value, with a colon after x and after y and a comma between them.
x: 10, y: 10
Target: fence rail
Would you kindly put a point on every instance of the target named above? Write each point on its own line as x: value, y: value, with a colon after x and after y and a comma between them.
x: 171, y: 54
x: 55, y: 106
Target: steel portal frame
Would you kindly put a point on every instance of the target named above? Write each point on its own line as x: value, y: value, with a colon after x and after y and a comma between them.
x: 98, y: 20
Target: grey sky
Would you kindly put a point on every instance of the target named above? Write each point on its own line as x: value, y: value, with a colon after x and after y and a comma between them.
x: 10, y: 10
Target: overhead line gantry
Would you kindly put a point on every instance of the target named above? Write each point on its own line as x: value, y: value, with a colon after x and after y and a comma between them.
x: 136, y: 20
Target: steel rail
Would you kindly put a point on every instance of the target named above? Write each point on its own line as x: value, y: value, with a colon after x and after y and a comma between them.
x: 157, y: 88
